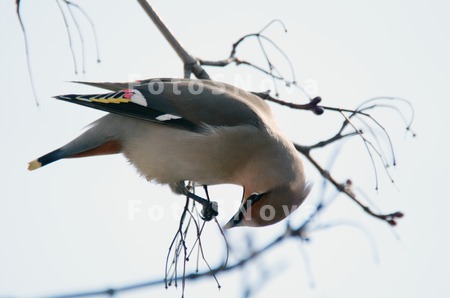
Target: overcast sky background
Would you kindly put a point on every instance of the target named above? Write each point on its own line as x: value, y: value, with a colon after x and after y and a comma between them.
x: 66, y: 227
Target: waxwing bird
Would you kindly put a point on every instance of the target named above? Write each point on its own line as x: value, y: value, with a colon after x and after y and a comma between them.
x: 177, y: 130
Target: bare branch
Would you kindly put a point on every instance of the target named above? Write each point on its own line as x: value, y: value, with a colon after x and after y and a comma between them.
x: 271, y: 67
x: 192, y: 276
x: 187, y: 59
x: 178, y: 250
x: 298, y: 233
x: 390, y: 218
x: 312, y: 105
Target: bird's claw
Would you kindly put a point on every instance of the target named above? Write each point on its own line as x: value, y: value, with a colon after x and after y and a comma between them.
x: 209, y: 211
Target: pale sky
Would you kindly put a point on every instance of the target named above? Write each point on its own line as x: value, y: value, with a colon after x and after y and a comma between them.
x: 66, y: 227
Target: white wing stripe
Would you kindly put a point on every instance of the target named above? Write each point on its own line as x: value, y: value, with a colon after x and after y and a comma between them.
x: 167, y: 117
x: 138, y: 98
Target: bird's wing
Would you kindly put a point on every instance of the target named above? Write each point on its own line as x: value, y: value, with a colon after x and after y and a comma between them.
x: 183, y: 103
x: 117, y: 86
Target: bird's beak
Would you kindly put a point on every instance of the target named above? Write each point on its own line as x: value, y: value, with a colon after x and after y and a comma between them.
x: 232, y: 223
x: 237, y: 219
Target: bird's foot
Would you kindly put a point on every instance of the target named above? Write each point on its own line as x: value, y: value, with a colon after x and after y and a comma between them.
x: 210, y: 208
x: 209, y: 211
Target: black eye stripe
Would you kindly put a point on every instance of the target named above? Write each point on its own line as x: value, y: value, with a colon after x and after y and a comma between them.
x: 254, y: 198
x: 251, y: 200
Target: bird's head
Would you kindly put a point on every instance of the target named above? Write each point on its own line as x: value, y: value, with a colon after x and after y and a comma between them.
x: 270, y: 207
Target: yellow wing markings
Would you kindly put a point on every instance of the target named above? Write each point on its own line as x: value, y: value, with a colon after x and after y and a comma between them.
x: 110, y: 100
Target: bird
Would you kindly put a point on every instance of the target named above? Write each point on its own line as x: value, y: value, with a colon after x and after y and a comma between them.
x: 204, y: 131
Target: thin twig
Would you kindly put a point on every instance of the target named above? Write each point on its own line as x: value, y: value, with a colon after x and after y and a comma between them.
x: 80, y: 34
x: 271, y: 67
x: 368, y: 145
x: 94, y: 32
x: 27, y: 52
x: 66, y: 23
x: 336, y: 137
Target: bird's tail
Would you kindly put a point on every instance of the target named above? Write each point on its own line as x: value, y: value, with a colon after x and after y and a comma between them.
x: 90, y: 143
x: 46, y: 159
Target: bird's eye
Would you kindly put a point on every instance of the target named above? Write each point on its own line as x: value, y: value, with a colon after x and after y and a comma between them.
x: 253, y: 198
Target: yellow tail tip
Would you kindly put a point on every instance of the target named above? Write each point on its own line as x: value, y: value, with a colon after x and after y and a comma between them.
x: 33, y: 165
